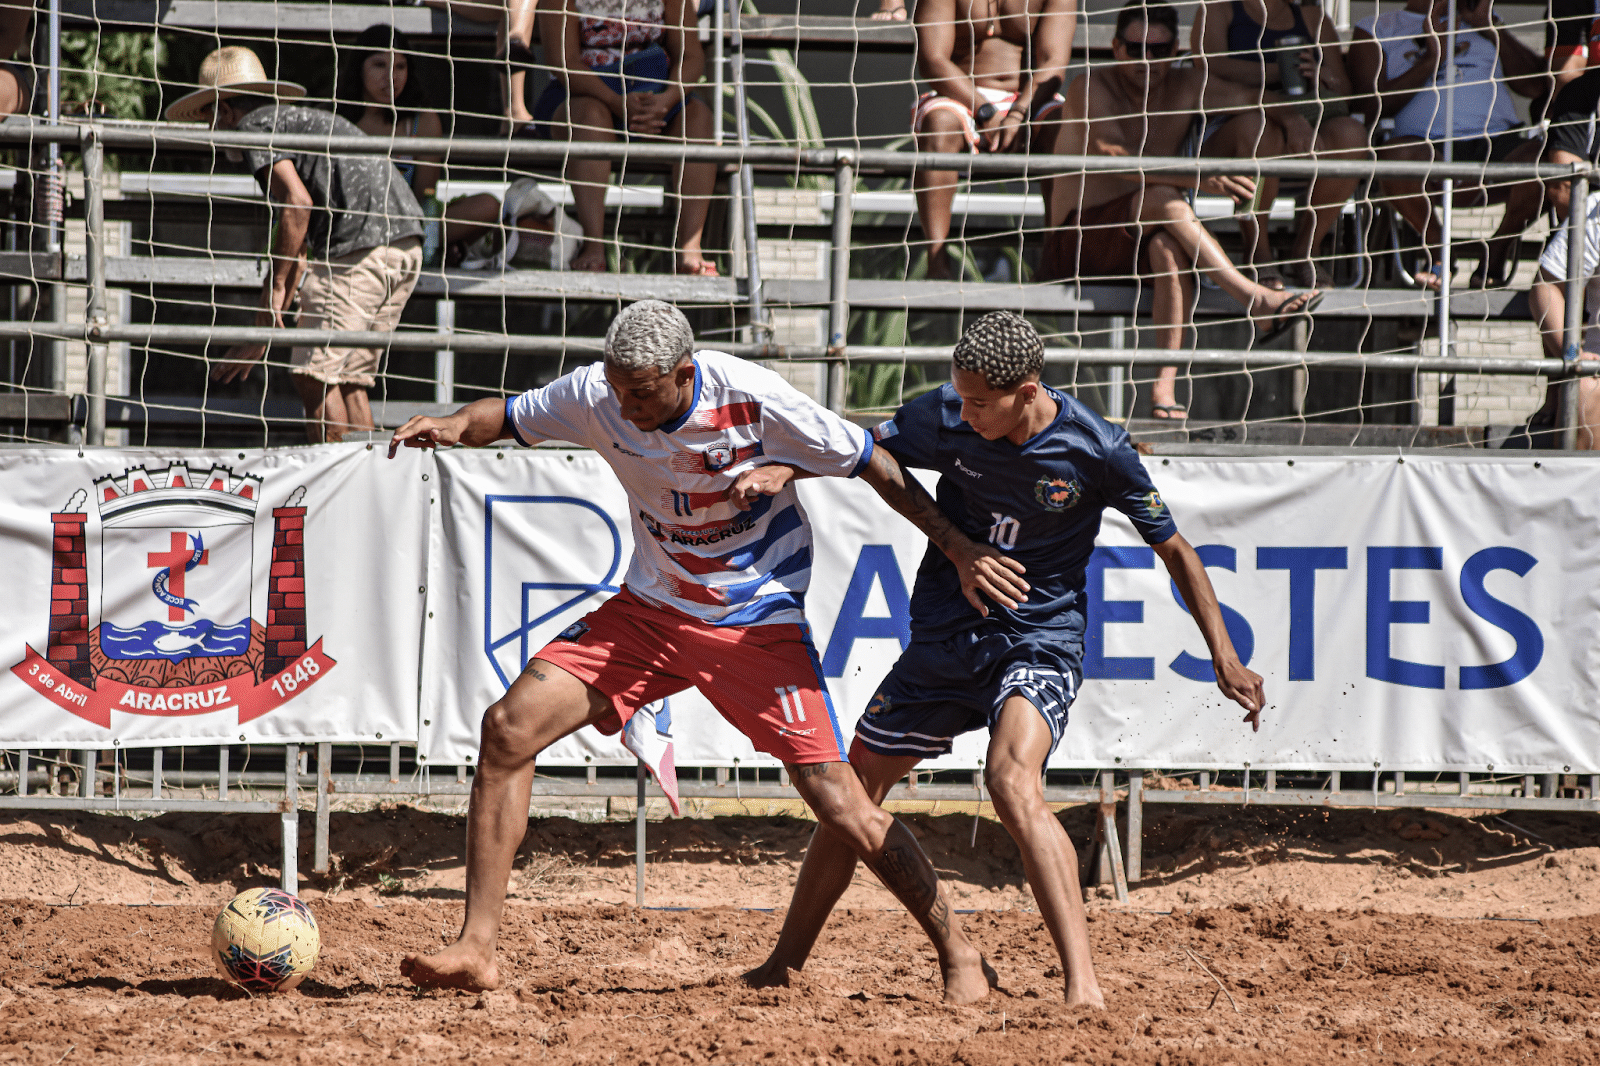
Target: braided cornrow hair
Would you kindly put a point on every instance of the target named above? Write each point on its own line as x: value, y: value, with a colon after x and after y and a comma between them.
x: 1003, y: 347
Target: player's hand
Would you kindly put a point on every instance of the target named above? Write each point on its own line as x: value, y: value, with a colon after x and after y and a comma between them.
x: 1239, y: 188
x: 237, y: 363
x: 424, y: 432
x: 984, y: 570
x: 762, y: 481
x: 1243, y: 686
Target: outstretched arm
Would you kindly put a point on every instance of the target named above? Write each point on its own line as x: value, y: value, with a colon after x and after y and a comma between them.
x: 480, y: 422
x: 1237, y: 681
x: 982, y: 568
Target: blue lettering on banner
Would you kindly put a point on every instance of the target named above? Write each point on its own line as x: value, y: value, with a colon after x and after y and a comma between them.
x: 1101, y: 611
x: 875, y: 563
x: 1383, y: 612
x: 1530, y: 642
x: 1239, y: 631
x: 1302, y: 564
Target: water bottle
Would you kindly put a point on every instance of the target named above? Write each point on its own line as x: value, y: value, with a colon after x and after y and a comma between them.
x: 1289, y: 75
x: 432, y: 232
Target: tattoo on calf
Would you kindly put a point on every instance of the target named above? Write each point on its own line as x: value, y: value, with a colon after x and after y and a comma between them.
x: 913, y: 883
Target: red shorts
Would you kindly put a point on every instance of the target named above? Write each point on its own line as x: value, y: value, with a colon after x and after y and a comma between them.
x: 766, y: 680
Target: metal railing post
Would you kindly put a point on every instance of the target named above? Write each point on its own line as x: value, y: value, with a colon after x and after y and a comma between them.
x: 319, y: 853
x: 638, y: 840
x: 1447, y: 344
x: 844, y: 189
x: 759, y: 330
x: 718, y: 14
x: 291, y: 818
x: 94, y: 214
x: 444, y: 359
x: 1572, y: 333
x: 22, y: 772
x: 1135, y: 825
x: 53, y: 200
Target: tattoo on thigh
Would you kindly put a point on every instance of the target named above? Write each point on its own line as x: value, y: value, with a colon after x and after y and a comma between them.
x: 810, y: 770
x: 532, y: 670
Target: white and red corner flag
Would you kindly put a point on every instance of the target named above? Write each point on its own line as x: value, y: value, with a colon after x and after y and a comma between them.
x: 649, y: 736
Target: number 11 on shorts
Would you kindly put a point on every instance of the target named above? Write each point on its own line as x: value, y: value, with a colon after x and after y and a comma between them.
x: 792, y: 692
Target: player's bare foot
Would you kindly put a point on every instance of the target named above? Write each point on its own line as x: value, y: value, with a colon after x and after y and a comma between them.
x: 970, y: 981
x: 454, y: 967
x: 770, y: 974
x: 1088, y: 996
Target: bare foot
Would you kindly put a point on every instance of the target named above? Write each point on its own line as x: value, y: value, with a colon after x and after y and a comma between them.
x: 770, y: 974
x: 969, y: 982
x: 591, y: 257
x: 698, y: 268
x: 454, y: 967
x: 1086, y: 997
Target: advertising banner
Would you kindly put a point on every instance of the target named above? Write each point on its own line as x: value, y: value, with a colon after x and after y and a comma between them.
x: 210, y: 597
x: 1410, y: 614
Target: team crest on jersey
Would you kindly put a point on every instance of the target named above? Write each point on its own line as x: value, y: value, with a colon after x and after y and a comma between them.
x: 719, y: 456
x: 879, y: 704
x: 573, y: 633
x: 1155, y: 504
x: 884, y: 430
x: 1057, y: 493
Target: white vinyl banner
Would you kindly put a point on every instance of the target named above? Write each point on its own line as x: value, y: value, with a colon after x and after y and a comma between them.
x: 210, y: 597
x: 1416, y: 614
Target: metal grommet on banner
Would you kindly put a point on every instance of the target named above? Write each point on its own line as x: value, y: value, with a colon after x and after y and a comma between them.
x: 1537, y: 465
x: 424, y: 477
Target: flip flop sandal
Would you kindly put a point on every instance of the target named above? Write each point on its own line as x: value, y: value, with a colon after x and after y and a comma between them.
x: 1175, y: 412
x: 1285, y: 316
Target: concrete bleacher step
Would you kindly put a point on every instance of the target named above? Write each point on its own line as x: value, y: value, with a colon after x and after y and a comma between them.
x: 863, y: 293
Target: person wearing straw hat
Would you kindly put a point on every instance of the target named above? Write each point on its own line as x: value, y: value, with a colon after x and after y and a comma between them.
x: 348, y: 237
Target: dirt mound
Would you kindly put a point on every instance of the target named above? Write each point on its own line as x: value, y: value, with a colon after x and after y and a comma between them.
x: 1535, y: 865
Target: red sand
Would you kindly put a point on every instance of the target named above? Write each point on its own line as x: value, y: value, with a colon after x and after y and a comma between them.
x: 1406, y: 971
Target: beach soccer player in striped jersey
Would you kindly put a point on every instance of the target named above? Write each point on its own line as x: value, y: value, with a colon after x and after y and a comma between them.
x: 1031, y: 470
x: 705, y: 445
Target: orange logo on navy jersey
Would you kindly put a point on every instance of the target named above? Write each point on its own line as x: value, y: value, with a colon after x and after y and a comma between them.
x: 879, y: 704
x: 1154, y: 504
x: 1057, y: 493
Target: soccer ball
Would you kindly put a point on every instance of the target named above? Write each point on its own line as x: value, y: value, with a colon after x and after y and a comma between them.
x: 265, y: 940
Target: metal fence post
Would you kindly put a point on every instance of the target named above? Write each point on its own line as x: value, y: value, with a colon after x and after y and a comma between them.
x: 844, y: 190
x: 1135, y: 825
x: 222, y: 772
x: 94, y: 213
x: 86, y: 782
x: 291, y: 818
x: 1572, y: 337
x: 444, y: 359
x: 319, y: 854
x: 759, y: 330
x: 638, y: 840
x: 156, y: 759
x: 22, y: 772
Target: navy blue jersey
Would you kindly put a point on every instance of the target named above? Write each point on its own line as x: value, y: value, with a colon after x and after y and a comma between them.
x: 1039, y: 502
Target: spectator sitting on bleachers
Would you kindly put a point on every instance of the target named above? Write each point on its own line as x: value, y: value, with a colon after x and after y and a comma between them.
x: 1240, y: 40
x: 1395, y: 57
x: 624, y: 69
x: 16, y: 79
x: 377, y: 92
x: 1572, y: 137
x: 1547, y: 302
x: 353, y: 214
x: 971, y: 53
x: 1136, y: 225
x: 525, y: 229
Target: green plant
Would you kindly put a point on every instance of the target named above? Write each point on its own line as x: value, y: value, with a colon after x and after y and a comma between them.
x: 113, y: 74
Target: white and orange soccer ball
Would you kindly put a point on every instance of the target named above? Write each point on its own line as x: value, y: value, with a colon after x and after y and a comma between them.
x: 265, y: 940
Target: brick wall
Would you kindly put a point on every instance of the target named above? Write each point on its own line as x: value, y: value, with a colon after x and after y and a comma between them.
x: 286, y: 590
x: 68, y: 649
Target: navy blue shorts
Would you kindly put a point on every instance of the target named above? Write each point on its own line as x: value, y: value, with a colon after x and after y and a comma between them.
x: 941, y: 689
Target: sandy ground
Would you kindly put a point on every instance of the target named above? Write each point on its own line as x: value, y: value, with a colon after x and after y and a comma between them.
x: 1341, y: 934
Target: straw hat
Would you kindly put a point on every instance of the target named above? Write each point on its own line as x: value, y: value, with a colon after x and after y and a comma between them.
x: 225, y: 73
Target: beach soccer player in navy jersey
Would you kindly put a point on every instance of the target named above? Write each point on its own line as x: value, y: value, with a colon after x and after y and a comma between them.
x: 712, y: 598
x: 1029, y: 470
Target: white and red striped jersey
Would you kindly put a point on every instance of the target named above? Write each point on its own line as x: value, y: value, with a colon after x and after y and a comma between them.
x: 694, y: 550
